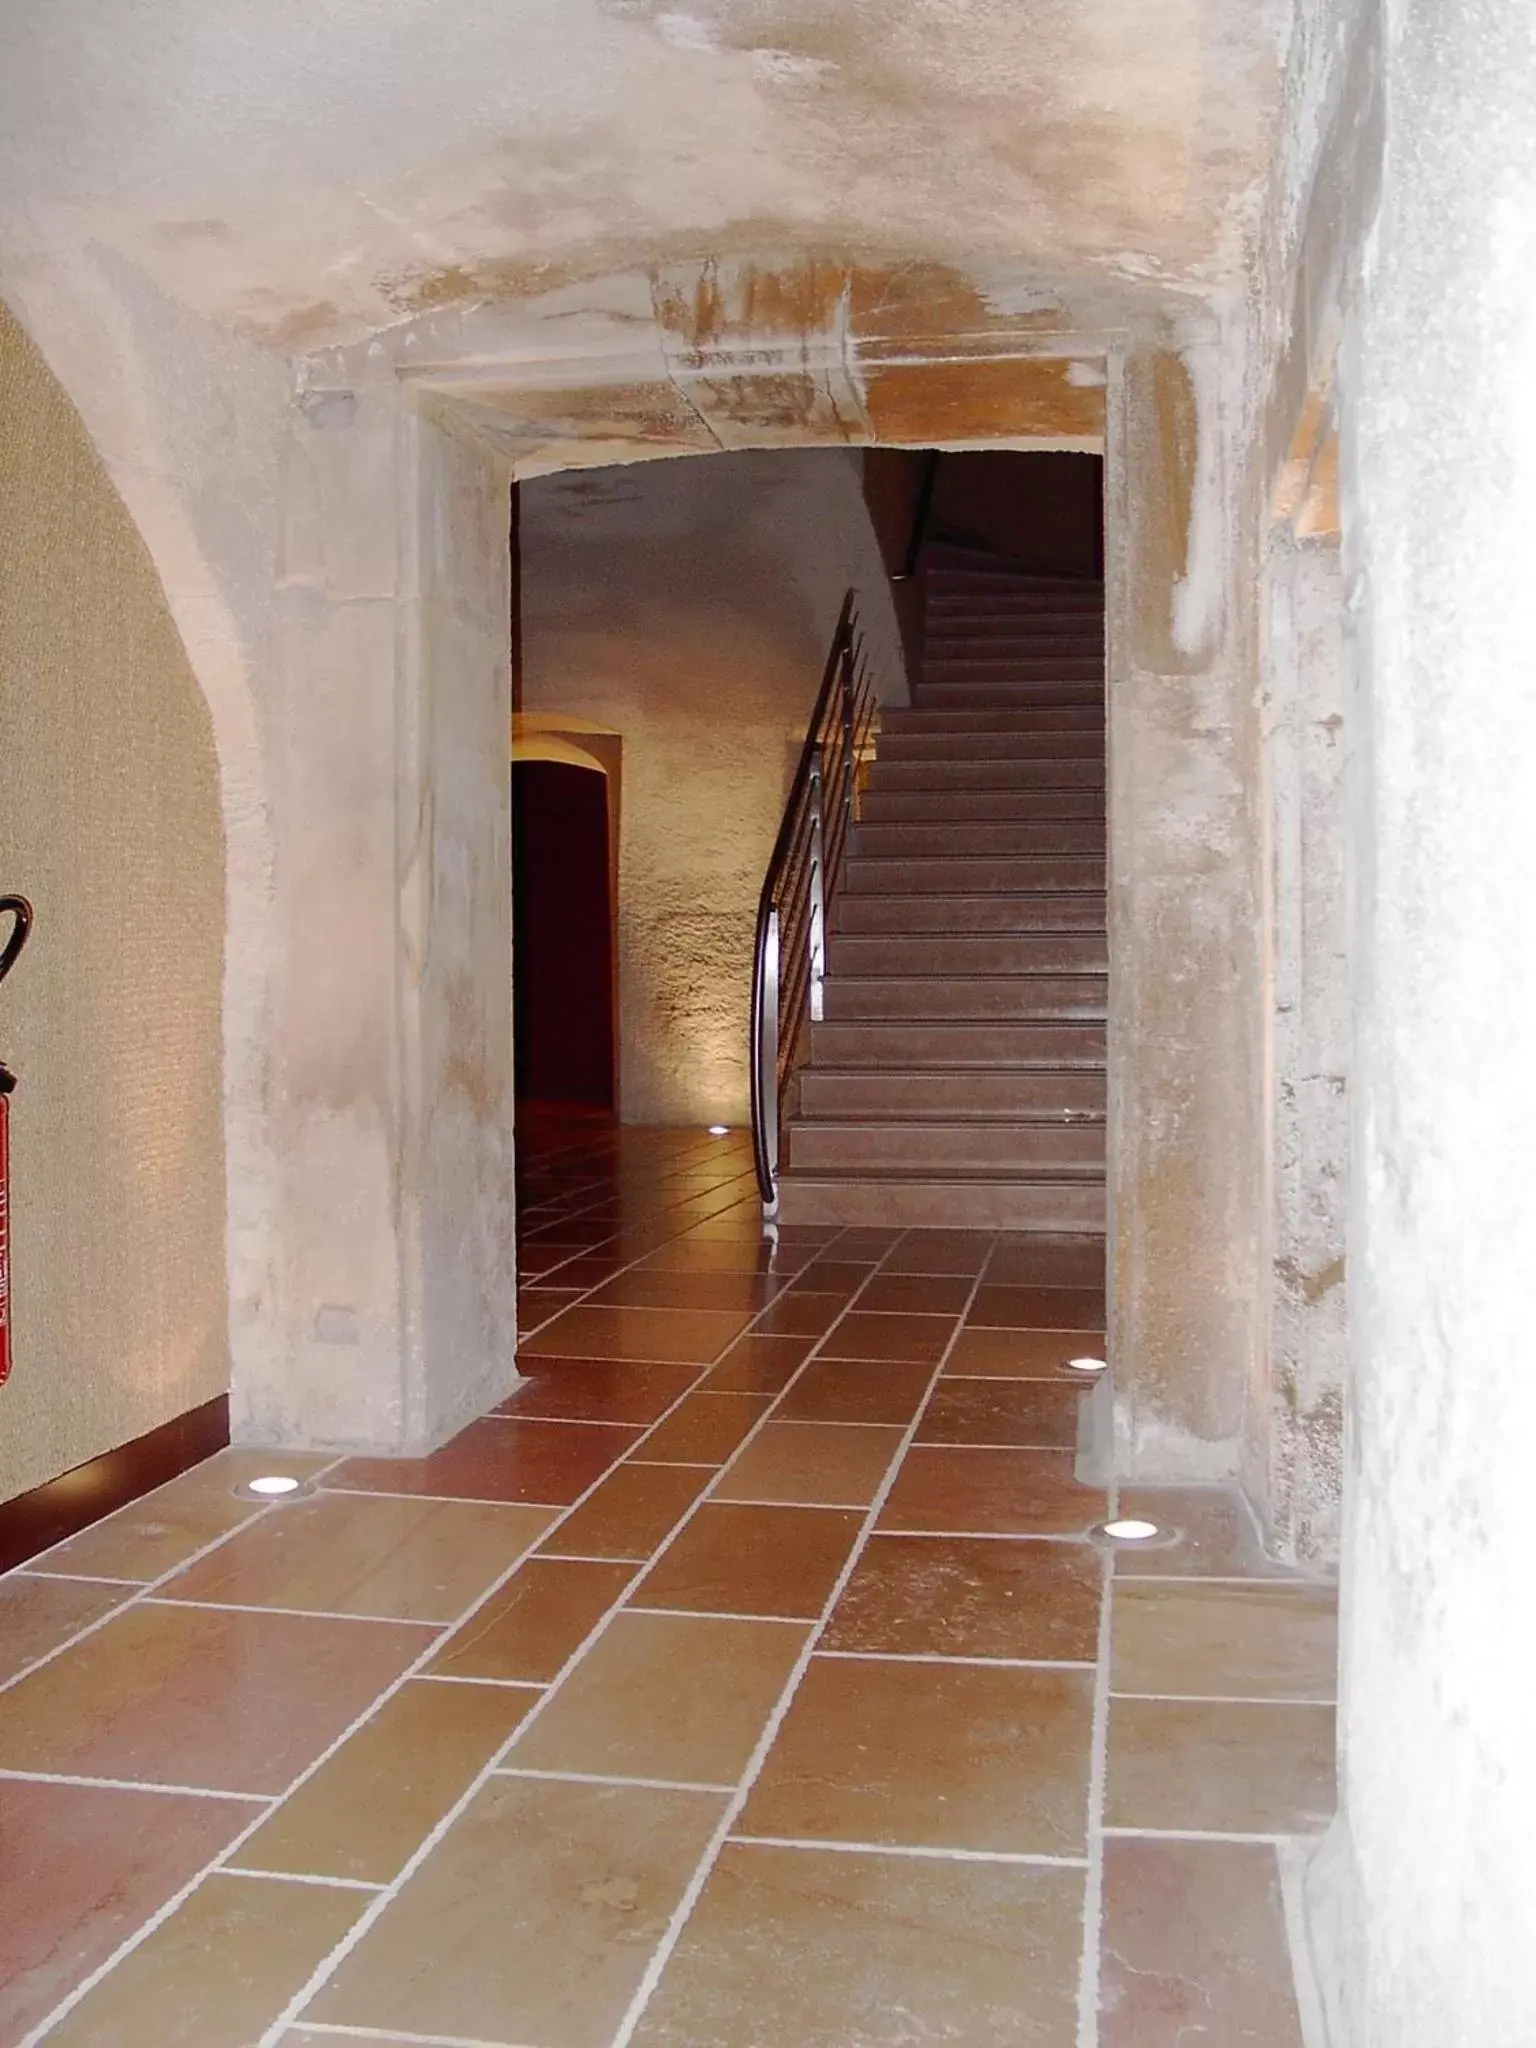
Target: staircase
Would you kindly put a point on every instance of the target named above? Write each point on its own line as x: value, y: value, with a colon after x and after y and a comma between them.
x: 958, y: 1075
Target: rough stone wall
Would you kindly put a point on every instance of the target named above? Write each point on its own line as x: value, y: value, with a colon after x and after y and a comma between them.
x: 1425, y: 1913
x: 109, y: 822
x: 688, y: 607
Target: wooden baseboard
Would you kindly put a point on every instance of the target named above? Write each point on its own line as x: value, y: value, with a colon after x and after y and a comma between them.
x: 33, y: 1522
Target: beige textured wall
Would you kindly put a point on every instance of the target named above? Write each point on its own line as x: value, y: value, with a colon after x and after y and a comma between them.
x: 109, y: 821
x: 688, y: 606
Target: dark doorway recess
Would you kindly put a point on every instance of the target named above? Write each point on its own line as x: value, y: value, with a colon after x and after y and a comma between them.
x: 1044, y: 510
x: 562, y: 979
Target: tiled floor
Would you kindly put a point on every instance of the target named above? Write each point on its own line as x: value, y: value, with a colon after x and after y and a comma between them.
x: 749, y: 1681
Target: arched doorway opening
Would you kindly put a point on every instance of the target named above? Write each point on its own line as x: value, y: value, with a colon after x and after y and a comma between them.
x: 563, y: 984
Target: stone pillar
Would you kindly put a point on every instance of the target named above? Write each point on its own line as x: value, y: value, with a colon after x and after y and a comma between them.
x: 1185, y: 1132
x: 1293, y: 1448
x: 1424, y: 1906
x: 389, y: 1316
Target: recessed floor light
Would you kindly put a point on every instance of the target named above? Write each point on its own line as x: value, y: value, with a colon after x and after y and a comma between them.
x: 1135, y: 1532
x: 719, y: 1130
x: 271, y: 1486
x: 1085, y: 1368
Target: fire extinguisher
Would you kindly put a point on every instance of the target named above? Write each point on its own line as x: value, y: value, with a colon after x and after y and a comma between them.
x: 20, y: 911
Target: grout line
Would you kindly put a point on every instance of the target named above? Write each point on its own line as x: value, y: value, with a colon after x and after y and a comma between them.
x: 291, y: 1613
x: 554, y: 1508
x: 170, y: 1905
x: 345, y: 2033
x: 1114, y: 1834
x: 665, y: 1948
x: 801, y: 1621
x: 29, y: 1571
x: 1225, y: 1699
x: 453, y: 1678
x: 923, y: 1853
x: 338, y: 1884
x: 262, y: 1799
x: 939, y: 1657
x: 330, y: 1963
x: 609, y: 1778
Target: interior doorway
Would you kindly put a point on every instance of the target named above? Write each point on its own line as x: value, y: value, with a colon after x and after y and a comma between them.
x: 563, y: 980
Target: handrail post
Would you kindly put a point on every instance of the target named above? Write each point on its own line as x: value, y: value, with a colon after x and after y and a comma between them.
x: 768, y: 1061
x: 816, y: 922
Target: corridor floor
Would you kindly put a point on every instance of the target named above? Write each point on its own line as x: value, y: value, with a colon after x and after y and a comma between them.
x: 750, y: 1680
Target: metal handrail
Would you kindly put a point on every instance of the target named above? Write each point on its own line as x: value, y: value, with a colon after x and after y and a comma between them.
x: 789, y: 959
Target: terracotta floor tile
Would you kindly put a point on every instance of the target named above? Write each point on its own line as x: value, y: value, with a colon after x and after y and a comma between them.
x: 918, y: 1340
x: 665, y: 1696
x: 938, y: 1756
x: 706, y: 1428
x: 1045, y: 1259
x: 856, y: 1390
x: 537, y: 1305
x: 218, y: 1971
x: 759, y: 1365
x: 751, y: 1560
x: 802, y: 1948
x: 988, y: 1492
x: 678, y: 1336
x: 820, y: 1464
x: 668, y: 1289
x: 1194, y: 1947
x: 857, y: 1243
x: 832, y: 1276
x: 800, y: 1315
x: 1277, y: 1642
x: 941, y: 1251
x: 634, y: 1509
x: 1038, y: 1308
x: 162, y: 1530
x: 551, y: 1463
x: 368, y: 1808
x: 399, y: 1558
x: 585, y: 1270
x: 36, y: 1615
x: 84, y: 1868
x: 531, y: 1625
x: 914, y: 1294
x: 200, y: 1696
x: 735, y: 1254
x: 1217, y: 1536
x: 959, y: 1596
x: 534, y: 1918
x: 1230, y: 1769
x: 1019, y: 1354
x: 596, y: 1390
x: 1036, y: 1414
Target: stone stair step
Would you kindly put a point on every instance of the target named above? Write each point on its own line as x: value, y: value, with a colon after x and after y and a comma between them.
x: 1005, y: 696
x: 1045, y: 1203
x: 967, y: 1145
x: 881, y: 806
x: 946, y: 1092
x: 867, y: 954
x: 948, y: 740
x: 1026, y: 911
x: 971, y: 875
x: 993, y: 837
x: 969, y: 775
x: 1014, y: 998
x: 924, y: 1042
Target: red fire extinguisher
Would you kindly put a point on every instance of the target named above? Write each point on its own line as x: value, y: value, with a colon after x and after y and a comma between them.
x: 21, y: 914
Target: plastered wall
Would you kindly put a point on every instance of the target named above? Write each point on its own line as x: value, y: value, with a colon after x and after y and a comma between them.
x: 1424, y: 1910
x: 688, y: 605
x: 109, y: 822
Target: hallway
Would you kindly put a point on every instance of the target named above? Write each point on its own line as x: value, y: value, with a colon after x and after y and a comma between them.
x: 748, y: 1681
